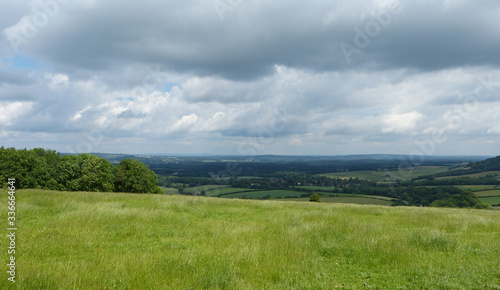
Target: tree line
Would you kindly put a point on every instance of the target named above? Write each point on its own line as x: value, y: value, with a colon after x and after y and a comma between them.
x: 46, y: 169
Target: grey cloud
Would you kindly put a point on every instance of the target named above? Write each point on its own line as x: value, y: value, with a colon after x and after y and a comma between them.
x: 128, y: 114
x: 173, y: 72
x: 187, y: 36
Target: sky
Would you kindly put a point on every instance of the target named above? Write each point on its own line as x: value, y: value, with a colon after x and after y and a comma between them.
x: 251, y: 77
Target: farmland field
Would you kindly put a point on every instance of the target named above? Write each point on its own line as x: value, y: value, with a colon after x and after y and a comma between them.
x: 170, y: 190
x: 198, y: 189
x: 265, y: 193
x: 80, y: 240
x: 319, y: 188
x: 403, y: 174
x: 348, y: 199
x: 475, y: 188
x: 226, y: 190
x: 476, y: 175
x: 487, y: 193
x: 495, y: 200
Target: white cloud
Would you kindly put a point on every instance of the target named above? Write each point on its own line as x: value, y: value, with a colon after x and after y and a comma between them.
x: 184, y: 124
x: 57, y: 80
x: 400, y: 123
x: 172, y: 75
x: 14, y: 111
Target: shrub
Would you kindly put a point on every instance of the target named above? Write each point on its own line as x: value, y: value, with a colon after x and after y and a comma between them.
x: 314, y: 198
x: 483, y: 206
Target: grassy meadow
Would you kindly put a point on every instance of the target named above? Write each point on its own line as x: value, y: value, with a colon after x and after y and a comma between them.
x: 487, y: 193
x: 493, y: 200
x: 371, y: 200
x: 475, y: 175
x: 477, y: 188
x: 388, y: 176
x: 80, y: 240
x: 227, y: 190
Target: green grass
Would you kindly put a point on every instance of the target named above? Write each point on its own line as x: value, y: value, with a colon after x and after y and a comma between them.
x: 169, y: 190
x: 487, y: 193
x: 265, y: 193
x: 388, y: 176
x: 198, y: 189
x: 494, y: 200
x: 345, y: 199
x: 318, y: 188
x: 476, y: 175
x: 226, y: 190
x: 125, y: 241
x: 367, y: 175
x: 475, y: 188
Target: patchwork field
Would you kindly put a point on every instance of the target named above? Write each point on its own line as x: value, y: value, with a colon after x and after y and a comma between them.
x: 485, y: 193
x: 403, y: 174
x: 85, y: 240
x: 475, y: 188
x: 199, y: 189
x: 170, y: 190
x: 265, y: 193
x: 494, y: 200
x: 226, y: 190
x: 318, y: 188
x: 476, y: 175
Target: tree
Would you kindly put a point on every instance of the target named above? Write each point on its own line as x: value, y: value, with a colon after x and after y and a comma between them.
x: 135, y: 176
x: 96, y: 175
x: 314, y: 198
x: 70, y: 172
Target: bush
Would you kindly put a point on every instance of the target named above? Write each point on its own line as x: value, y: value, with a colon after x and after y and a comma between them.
x: 314, y: 198
x: 135, y: 176
x: 483, y: 206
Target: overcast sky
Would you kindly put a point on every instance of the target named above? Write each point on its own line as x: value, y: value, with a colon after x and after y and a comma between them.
x: 251, y: 76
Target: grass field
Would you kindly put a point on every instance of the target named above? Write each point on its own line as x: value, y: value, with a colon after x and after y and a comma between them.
x: 198, y: 189
x: 380, y: 176
x: 346, y: 199
x: 318, y: 188
x: 226, y: 190
x: 265, y: 193
x: 487, y: 193
x: 169, y: 190
x: 494, y: 200
x: 476, y: 175
x: 126, y: 241
x: 475, y: 188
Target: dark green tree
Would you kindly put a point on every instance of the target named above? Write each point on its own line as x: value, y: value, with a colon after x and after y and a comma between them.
x: 314, y: 198
x: 135, y: 176
x: 69, y: 172
x: 97, y: 174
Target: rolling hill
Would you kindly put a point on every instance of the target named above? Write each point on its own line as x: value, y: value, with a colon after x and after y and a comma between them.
x: 83, y: 240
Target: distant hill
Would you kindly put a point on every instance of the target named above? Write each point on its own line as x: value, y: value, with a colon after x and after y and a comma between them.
x: 488, y: 165
x: 492, y: 164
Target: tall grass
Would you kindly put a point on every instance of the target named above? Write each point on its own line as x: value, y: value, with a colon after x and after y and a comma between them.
x: 124, y: 241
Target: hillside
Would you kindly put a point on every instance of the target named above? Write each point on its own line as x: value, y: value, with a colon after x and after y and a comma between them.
x: 492, y: 164
x: 488, y: 165
x: 83, y: 240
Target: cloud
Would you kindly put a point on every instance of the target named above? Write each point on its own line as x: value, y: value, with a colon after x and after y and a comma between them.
x: 174, y: 77
x: 400, y: 123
